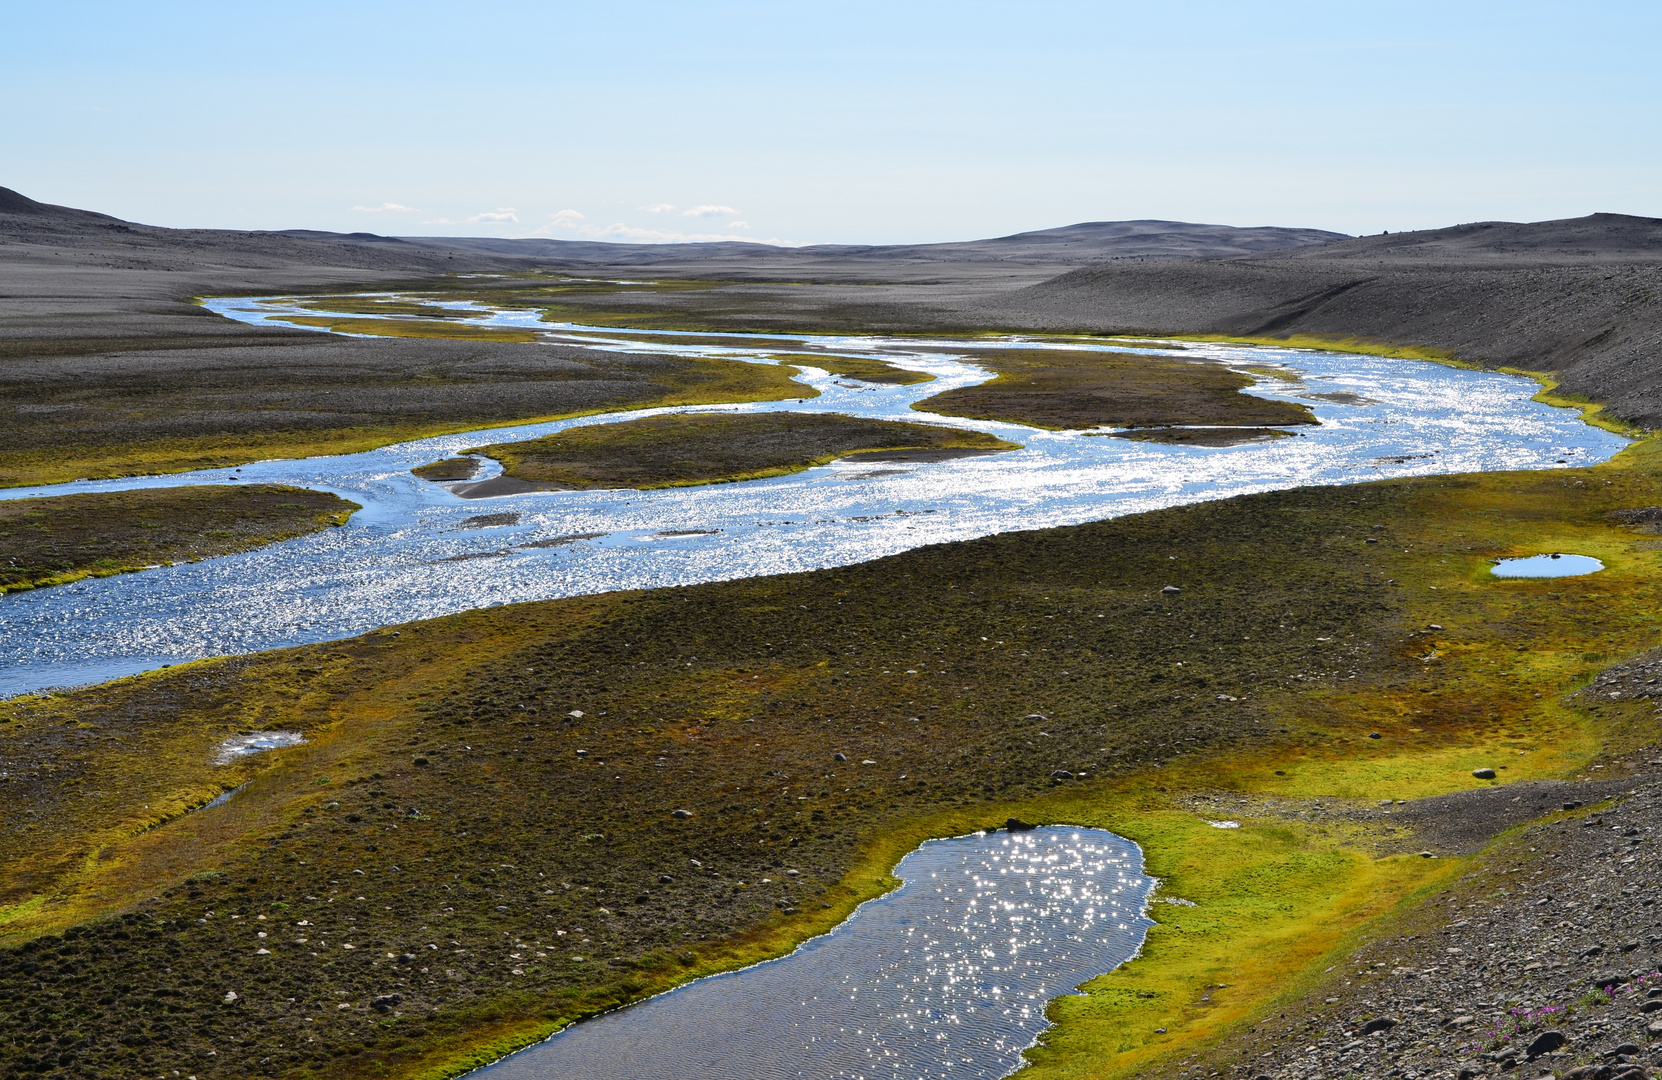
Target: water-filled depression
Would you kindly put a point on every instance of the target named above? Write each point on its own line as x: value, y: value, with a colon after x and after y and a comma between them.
x: 412, y: 553
x: 1539, y: 566
x: 947, y: 976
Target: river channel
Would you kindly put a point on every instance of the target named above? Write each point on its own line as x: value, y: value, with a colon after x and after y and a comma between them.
x: 947, y: 976
x: 416, y: 550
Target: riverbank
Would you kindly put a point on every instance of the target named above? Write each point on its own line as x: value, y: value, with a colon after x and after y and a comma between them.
x: 1292, y: 641
x: 59, y: 539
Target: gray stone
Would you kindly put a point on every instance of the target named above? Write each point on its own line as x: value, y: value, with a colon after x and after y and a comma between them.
x: 1545, y: 1043
x: 682, y: 814
x: 1484, y: 773
x: 1171, y: 590
x: 386, y: 1002
x: 1379, y: 1023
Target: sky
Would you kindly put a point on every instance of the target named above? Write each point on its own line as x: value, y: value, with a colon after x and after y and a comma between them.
x: 848, y: 122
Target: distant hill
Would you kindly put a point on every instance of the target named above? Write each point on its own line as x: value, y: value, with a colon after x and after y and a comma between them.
x: 1024, y: 257
x: 1581, y: 297
x: 1071, y: 245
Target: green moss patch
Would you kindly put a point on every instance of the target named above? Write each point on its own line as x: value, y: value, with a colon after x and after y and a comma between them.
x: 705, y: 448
x: 51, y: 541
x: 1064, y: 389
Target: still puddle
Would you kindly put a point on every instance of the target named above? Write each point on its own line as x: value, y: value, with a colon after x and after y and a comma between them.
x: 239, y: 746
x: 1541, y: 566
x: 946, y: 976
x: 418, y: 551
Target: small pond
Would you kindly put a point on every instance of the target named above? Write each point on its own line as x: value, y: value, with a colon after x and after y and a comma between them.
x: 1559, y: 565
x: 946, y: 976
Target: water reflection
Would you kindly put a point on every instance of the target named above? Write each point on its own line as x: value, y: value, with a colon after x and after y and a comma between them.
x: 1544, y: 566
x: 414, y: 553
x: 946, y: 976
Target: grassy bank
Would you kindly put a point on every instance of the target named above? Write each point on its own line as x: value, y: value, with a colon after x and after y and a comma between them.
x: 140, y: 424
x: 52, y: 541
x: 706, y: 448
x: 967, y: 673
x: 411, y: 327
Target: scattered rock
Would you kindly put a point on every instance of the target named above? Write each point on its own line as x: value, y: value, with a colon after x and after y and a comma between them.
x: 682, y: 814
x: 1061, y: 774
x: 1375, y: 735
x: 1018, y: 825
x: 665, y: 879
x: 1171, y: 590
x: 839, y: 756
x: 1378, y: 1023
x: 230, y: 997
x: 1484, y: 773
x: 386, y: 1002
x: 1545, y: 1043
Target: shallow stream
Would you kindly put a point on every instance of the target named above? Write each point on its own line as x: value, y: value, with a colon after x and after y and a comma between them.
x: 947, y: 976
x: 413, y: 553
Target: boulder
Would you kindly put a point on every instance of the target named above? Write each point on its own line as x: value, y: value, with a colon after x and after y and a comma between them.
x: 1379, y: 1023
x: 1545, y: 1043
x: 1018, y: 825
x: 1484, y: 773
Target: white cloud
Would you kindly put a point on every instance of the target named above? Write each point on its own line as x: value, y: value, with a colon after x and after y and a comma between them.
x: 501, y: 213
x: 711, y: 211
x: 738, y: 224
x: 566, y: 217
x: 658, y: 207
x: 387, y: 207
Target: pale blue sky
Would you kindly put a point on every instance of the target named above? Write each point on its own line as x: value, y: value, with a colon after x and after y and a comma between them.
x: 848, y: 122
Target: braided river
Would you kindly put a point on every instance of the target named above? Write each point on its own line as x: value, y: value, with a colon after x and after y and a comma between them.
x: 417, y: 551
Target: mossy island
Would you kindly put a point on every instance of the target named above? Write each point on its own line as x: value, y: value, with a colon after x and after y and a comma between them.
x: 64, y: 538
x: 682, y: 449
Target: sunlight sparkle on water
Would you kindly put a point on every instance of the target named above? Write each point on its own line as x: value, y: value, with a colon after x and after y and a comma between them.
x: 947, y: 976
x: 407, y: 556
